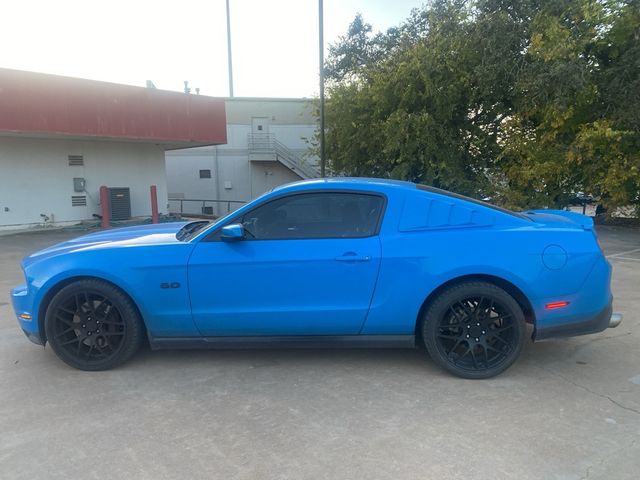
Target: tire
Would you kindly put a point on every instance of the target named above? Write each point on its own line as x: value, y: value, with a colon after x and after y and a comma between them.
x: 474, y: 330
x: 92, y: 325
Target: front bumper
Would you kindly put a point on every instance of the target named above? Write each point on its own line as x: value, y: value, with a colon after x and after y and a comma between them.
x: 594, y: 324
x: 27, y: 318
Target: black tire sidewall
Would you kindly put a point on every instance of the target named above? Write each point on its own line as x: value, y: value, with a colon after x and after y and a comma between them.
x: 134, y: 330
x: 440, y: 305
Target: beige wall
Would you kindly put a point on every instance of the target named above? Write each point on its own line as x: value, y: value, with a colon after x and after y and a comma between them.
x: 280, y: 111
x: 233, y: 175
x: 35, y: 178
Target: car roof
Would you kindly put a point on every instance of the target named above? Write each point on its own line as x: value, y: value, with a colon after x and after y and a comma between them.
x: 344, y: 182
x: 382, y: 184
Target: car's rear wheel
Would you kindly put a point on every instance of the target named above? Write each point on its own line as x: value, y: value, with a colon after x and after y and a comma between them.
x: 474, y: 329
x: 92, y: 325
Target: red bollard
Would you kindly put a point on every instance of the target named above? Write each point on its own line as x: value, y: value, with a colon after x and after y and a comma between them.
x: 104, y: 206
x: 154, y: 204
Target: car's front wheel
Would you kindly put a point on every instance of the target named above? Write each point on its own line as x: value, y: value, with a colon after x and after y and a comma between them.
x: 474, y: 329
x: 92, y: 325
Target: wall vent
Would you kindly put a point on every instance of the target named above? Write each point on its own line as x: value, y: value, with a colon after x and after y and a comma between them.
x: 78, y: 201
x: 76, y: 160
x: 207, y: 210
x: 205, y: 173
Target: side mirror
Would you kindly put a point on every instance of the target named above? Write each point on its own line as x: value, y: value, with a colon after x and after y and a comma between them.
x: 232, y: 233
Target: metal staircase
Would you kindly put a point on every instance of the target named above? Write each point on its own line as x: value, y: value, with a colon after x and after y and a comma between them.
x: 264, y: 147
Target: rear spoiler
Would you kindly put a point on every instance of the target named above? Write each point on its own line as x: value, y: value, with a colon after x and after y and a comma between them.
x: 577, y: 218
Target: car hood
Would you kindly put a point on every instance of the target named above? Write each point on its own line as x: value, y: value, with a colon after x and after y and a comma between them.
x: 162, y: 233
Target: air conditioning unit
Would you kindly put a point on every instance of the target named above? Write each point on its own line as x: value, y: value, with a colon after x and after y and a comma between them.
x: 119, y: 203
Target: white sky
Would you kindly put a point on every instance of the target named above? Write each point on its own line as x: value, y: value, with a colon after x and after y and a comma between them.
x: 275, y: 42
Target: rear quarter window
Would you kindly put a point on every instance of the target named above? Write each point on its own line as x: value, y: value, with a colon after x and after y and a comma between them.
x: 445, y: 193
x: 424, y: 211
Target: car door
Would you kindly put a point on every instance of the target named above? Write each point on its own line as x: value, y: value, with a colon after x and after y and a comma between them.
x: 307, y: 266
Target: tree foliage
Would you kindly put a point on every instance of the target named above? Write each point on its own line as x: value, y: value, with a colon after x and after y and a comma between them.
x: 526, y: 101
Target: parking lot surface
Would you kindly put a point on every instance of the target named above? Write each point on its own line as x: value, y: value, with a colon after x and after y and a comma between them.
x: 568, y: 409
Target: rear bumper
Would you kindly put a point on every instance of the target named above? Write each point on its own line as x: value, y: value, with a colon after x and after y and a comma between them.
x: 589, y: 309
x: 593, y: 324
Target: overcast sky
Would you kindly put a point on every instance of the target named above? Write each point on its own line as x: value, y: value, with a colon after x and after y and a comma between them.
x: 275, y: 42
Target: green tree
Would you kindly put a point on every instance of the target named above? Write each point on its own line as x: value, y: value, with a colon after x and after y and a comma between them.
x: 526, y: 101
x: 417, y: 112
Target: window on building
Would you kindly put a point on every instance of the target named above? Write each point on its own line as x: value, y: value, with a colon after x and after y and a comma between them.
x: 315, y: 215
x: 205, y: 173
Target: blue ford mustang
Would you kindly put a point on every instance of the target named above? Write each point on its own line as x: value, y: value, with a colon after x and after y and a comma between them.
x: 335, y: 262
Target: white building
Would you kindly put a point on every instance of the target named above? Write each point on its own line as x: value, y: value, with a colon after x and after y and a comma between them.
x: 268, y: 144
x: 37, y: 179
x: 62, y: 138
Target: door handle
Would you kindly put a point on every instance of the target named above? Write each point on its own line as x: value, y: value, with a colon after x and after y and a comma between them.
x: 353, y: 257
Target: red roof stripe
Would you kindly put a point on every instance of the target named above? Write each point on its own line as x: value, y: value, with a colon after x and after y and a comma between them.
x: 43, y: 104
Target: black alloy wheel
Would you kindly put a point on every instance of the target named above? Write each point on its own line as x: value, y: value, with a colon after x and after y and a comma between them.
x: 92, y: 325
x: 474, y: 330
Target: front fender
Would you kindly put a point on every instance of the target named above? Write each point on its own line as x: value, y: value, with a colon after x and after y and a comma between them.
x: 135, y: 271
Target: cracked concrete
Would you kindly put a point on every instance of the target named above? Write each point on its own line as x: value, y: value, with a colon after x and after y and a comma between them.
x: 567, y: 410
x: 587, y: 389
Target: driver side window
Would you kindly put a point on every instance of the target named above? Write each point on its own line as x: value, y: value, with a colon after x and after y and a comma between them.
x: 315, y: 215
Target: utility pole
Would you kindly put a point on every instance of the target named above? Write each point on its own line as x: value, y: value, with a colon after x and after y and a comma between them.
x: 229, y: 52
x: 323, y: 159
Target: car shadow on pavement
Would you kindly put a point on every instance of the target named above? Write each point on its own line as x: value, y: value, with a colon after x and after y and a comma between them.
x: 406, y: 360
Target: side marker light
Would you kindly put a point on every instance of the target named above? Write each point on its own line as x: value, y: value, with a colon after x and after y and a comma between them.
x: 555, y: 305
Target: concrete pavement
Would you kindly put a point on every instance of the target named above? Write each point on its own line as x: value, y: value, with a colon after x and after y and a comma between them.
x: 568, y: 409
